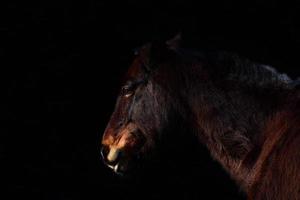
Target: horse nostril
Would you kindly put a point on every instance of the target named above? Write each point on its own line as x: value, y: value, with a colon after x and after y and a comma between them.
x: 120, y: 124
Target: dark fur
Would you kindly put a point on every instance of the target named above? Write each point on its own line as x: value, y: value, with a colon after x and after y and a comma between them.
x: 246, y: 114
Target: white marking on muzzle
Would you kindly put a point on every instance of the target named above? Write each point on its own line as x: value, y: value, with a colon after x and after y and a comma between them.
x: 113, y: 154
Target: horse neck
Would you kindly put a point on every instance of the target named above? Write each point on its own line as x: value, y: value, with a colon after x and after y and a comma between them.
x: 229, y: 121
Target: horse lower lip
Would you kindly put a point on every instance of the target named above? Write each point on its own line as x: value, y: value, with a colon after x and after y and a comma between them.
x: 116, y: 167
x: 112, y: 166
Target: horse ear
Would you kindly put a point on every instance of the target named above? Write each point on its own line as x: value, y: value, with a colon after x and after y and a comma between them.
x: 157, y: 52
x: 144, y: 51
x: 144, y: 54
x: 174, y: 43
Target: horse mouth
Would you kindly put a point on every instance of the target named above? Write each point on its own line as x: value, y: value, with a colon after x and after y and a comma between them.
x: 123, y: 160
x: 115, y: 168
x: 124, y: 166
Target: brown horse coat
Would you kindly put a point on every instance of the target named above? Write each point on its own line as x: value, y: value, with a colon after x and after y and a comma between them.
x: 247, y: 114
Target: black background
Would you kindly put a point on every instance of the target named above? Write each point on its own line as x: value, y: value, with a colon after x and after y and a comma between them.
x: 62, y: 62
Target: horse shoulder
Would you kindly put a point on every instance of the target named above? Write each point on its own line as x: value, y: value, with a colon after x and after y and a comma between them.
x: 277, y: 174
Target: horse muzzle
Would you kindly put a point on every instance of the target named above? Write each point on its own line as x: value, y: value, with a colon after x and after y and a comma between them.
x: 122, y: 155
x: 112, y: 157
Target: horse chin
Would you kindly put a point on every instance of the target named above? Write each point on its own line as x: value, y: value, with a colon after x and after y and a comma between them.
x: 119, y: 169
x: 124, y: 168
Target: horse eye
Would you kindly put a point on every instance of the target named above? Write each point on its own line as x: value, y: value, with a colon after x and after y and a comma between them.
x: 128, y: 94
x: 127, y: 91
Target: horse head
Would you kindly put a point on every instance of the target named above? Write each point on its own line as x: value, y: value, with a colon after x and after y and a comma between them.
x: 143, y: 109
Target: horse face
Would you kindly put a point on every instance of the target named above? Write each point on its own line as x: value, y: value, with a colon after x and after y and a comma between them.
x: 137, y: 120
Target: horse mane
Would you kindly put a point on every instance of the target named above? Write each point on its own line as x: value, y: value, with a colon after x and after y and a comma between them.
x: 232, y: 67
x: 253, y: 74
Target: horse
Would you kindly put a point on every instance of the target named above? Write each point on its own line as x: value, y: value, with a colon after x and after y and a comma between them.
x: 245, y: 113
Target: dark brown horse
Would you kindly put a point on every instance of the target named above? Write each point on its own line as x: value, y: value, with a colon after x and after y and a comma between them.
x: 247, y: 115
